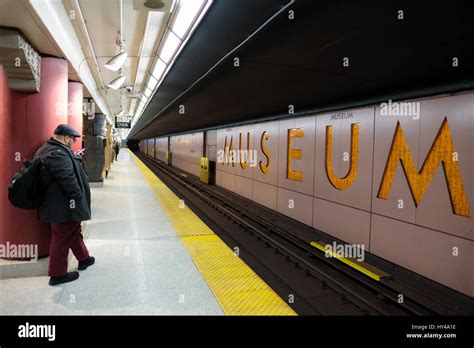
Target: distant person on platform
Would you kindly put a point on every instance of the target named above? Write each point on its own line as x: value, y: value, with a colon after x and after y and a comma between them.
x: 67, y: 202
x: 116, y: 149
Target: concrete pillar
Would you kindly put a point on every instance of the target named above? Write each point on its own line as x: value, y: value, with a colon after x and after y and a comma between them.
x: 95, y: 144
x: 27, y: 121
x: 74, y: 116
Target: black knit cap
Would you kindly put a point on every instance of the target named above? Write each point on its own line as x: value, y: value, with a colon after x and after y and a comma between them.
x: 65, y: 129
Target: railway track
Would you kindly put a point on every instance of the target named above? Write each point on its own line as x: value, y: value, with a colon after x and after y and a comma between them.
x: 338, y: 284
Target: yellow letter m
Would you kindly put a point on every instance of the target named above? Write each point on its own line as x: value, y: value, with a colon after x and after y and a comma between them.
x: 442, y: 151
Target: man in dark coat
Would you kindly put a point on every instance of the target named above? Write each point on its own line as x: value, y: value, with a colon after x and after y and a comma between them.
x: 67, y: 202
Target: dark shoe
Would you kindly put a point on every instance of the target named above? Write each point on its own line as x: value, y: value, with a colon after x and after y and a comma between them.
x: 69, y: 277
x: 86, y: 263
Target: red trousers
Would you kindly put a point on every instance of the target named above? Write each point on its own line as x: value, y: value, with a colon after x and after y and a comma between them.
x: 65, y: 236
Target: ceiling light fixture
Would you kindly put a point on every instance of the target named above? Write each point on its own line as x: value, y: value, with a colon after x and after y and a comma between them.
x: 117, y: 62
x: 154, y: 4
x: 133, y: 106
x: 152, y: 82
x: 188, y: 12
x: 147, y: 92
x: 118, y: 82
x: 170, y: 47
x: 159, y: 69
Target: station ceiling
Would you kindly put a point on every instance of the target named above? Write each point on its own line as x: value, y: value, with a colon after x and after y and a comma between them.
x: 425, y: 49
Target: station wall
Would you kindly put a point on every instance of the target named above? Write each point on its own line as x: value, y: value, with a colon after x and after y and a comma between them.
x: 187, y: 152
x: 161, y: 146
x: 395, y: 178
x: 151, y: 147
x: 415, y: 219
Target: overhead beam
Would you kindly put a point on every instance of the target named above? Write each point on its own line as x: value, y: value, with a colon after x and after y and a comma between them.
x: 56, y: 19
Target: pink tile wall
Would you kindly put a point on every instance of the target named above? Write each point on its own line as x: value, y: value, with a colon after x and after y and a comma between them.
x: 419, y: 238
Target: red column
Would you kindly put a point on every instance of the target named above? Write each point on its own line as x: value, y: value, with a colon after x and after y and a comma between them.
x: 74, y: 119
x: 26, y: 122
x: 5, y: 126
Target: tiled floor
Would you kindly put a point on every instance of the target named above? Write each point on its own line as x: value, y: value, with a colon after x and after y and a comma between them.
x: 142, y: 267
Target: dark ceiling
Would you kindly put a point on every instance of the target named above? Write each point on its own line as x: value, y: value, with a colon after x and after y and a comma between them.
x: 300, y: 62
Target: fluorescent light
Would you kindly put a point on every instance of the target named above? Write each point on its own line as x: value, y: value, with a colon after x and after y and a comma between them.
x: 190, y: 14
x: 153, y: 29
x: 188, y: 11
x: 173, y: 6
x: 170, y: 47
x: 152, y: 82
x: 147, y: 92
x: 120, y: 114
x: 133, y: 105
x: 116, y: 62
x: 117, y: 83
x: 159, y: 69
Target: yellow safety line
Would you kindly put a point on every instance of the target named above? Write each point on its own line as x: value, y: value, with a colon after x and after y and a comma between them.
x: 238, y: 289
x: 360, y: 266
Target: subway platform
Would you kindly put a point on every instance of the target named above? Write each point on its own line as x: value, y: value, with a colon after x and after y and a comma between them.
x: 154, y: 256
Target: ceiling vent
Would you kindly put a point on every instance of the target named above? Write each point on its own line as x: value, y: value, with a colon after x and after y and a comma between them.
x: 153, y: 5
